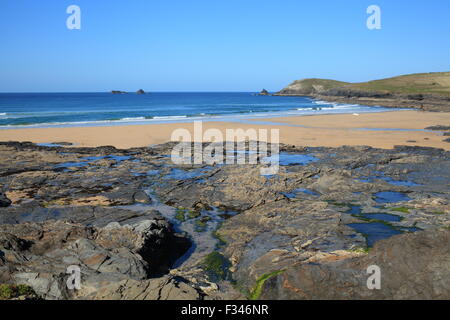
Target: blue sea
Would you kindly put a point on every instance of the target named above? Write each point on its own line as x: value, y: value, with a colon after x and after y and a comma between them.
x: 94, y: 109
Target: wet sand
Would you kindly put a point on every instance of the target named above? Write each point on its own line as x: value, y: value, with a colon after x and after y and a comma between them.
x: 317, y: 130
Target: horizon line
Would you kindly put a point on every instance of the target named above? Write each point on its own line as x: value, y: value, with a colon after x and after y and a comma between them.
x: 133, y: 92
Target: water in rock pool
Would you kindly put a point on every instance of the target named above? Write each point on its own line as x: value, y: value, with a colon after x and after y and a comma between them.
x: 378, y: 225
x: 86, y: 161
x: 403, y: 183
x: 286, y: 158
x: 390, y: 197
x: 199, y: 226
x: 374, y: 231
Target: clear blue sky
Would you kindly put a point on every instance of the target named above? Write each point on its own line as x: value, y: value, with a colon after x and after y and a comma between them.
x: 210, y: 45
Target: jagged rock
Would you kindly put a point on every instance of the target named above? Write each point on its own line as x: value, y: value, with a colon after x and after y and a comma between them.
x: 140, y: 91
x: 164, y: 288
x: 86, y: 215
x: 4, y: 201
x: 267, y: 224
x: 273, y: 236
x: 48, y: 286
x: 38, y: 253
x: 141, y: 197
x: 332, y: 183
x: 413, y: 266
x: 62, y: 143
x: 264, y: 92
x: 438, y: 128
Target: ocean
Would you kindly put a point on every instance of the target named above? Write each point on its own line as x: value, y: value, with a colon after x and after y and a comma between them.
x: 20, y: 110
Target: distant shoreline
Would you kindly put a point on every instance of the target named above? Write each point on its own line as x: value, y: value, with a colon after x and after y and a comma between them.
x: 431, y: 104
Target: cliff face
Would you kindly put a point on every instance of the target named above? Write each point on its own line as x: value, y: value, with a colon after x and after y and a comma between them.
x: 428, y: 91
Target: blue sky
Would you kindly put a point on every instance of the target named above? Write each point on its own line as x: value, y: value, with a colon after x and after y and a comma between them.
x: 228, y: 45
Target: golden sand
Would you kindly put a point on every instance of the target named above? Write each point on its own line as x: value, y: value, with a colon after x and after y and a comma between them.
x: 317, y: 130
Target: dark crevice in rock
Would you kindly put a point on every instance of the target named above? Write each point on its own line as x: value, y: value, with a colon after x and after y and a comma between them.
x: 4, y: 201
x: 161, y: 252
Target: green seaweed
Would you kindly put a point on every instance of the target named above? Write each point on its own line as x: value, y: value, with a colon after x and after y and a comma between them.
x: 400, y: 209
x: 193, y: 214
x: 221, y: 242
x: 180, y: 216
x: 12, y: 291
x: 360, y: 249
x: 257, y: 290
x: 200, y: 225
x: 366, y: 219
x: 217, y: 267
x: 339, y: 204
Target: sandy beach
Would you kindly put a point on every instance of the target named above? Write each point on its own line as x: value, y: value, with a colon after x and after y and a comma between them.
x: 381, y: 130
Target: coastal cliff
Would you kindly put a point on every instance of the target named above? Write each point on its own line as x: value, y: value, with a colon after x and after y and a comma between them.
x: 426, y: 91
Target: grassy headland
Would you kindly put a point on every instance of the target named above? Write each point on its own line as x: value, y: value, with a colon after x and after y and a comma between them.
x: 428, y: 91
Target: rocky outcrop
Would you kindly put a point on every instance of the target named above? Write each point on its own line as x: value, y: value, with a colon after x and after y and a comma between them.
x: 4, y: 201
x: 426, y: 102
x: 164, y: 288
x: 140, y: 91
x: 446, y: 130
x: 413, y: 266
x: 264, y: 92
x: 438, y: 128
x: 131, y: 247
x: 273, y: 236
x: 323, y: 206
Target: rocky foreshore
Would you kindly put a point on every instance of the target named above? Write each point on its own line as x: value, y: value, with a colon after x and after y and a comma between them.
x: 140, y: 227
x: 426, y: 102
x: 435, y: 103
